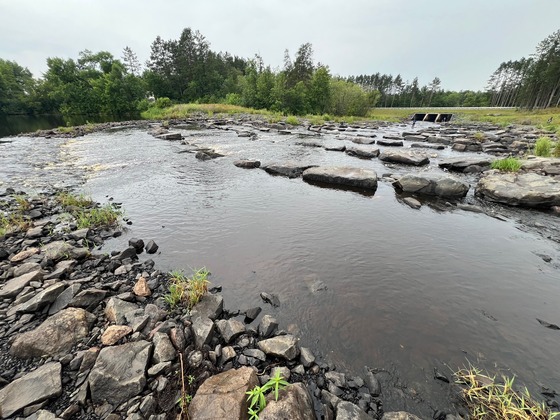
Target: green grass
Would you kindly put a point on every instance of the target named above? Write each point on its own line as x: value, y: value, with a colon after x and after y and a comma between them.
x: 22, y: 202
x: 105, y: 216
x: 509, y: 164
x: 543, y: 147
x: 487, y: 398
x: 65, y: 130
x: 11, y: 223
x: 187, y: 290
x: 70, y: 200
x: 556, y: 150
x: 187, y: 110
x: 293, y: 120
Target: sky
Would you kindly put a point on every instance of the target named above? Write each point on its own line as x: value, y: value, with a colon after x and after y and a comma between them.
x: 460, y: 41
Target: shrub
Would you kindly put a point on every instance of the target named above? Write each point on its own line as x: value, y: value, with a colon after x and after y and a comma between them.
x: 69, y: 200
x: 543, y: 147
x: 143, y: 105
x: 163, y: 103
x: 292, y: 120
x: 509, y: 164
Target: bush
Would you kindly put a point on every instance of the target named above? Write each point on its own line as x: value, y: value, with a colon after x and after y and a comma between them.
x: 543, y: 147
x: 509, y: 164
x: 143, y: 105
x: 292, y: 120
x: 163, y: 103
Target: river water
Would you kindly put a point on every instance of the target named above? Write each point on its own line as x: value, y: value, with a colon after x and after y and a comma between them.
x: 406, y: 290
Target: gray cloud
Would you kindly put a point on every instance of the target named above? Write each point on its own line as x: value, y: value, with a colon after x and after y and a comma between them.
x: 462, y: 42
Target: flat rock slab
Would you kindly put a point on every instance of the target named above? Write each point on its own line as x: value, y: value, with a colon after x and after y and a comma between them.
x: 285, y: 346
x: 289, y: 169
x: 394, y: 143
x: 463, y: 165
x: 247, y: 164
x: 363, y: 152
x: 527, y: 190
x: 56, y: 335
x: 59, y: 250
x: 428, y: 146
x: 119, y: 372
x: 407, y: 158
x: 432, y: 184
x: 223, y: 396
x: 12, y: 287
x: 294, y: 403
x: 40, y: 385
x: 342, y: 176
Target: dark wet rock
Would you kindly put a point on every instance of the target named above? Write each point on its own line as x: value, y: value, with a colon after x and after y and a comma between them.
x: 270, y: 298
x: 345, y: 410
x: 393, y: 143
x: 372, y: 382
x: 129, y: 252
x: 59, y: 250
x: 252, y: 314
x: 309, y: 143
x: 337, y: 378
x: 203, y: 330
x: 34, y: 387
x: 407, y: 158
x: 427, y: 146
x: 56, y: 335
x: 63, y: 300
x: 362, y: 152
x: 306, y: 357
x: 25, y: 268
x: 432, y: 184
x: 335, y: 147
x: 40, y: 300
x: 399, y: 415
x: 117, y: 309
x: 207, y: 154
x: 343, y: 176
x: 330, y: 399
x: 527, y: 190
x: 412, y: 202
x: 548, y: 324
x: 230, y: 329
x: 151, y: 247
x: 267, y: 326
x: 440, y: 376
x: 119, y: 372
x: 247, y: 164
x: 169, y: 136
x: 294, y: 403
x: 12, y: 287
x: 284, y: 346
x: 210, y: 306
x: 137, y: 244
x: 413, y: 137
x: 288, y: 169
x: 88, y: 298
x: 463, y: 165
x: 223, y: 395
x: 163, y: 349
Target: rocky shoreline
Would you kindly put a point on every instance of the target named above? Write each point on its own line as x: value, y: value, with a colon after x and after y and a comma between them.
x: 84, y: 335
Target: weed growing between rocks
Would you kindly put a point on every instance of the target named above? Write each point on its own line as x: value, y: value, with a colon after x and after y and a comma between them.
x: 543, y: 147
x: 70, y: 200
x: 256, y: 396
x: 292, y: 120
x: 509, y: 164
x: 97, y: 217
x: 186, y: 290
x: 488, y: 398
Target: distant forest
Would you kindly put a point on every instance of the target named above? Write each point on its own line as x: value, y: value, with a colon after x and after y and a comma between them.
x: 187, y: 70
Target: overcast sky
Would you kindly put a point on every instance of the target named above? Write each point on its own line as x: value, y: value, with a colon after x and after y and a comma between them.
x: 460, y: 41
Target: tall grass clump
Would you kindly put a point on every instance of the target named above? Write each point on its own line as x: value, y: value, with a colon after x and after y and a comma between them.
x: 487, y: 398
x: 67, y: 199
x: 543, y: 147
x: 292, y: 120
x: 509, y: 164
x: 187, y: 290
x: 97, y: 217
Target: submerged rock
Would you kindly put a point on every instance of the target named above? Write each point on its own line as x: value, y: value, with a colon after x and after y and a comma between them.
x: 432, y: 184
x: 247, y: 164
x: 343, y: 176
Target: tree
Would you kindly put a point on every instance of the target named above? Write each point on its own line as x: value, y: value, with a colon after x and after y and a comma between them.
x: 130, y: 61
x: 17, y: 89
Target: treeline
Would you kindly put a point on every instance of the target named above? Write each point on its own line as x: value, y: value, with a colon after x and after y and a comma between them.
x: 187, y: 70
x: 532, y: 82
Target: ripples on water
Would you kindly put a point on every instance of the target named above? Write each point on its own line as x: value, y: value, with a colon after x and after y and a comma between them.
x: 406, y: 288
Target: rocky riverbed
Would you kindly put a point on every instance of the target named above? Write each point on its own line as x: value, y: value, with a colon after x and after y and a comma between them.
x: 441, y: 168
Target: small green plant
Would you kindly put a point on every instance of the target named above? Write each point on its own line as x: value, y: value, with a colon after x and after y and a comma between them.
x: 292, y: 120
x: 97, y: 217
x: 543, y: 146
x: 509, y: 164
x: 487, y: 398
x: 70, y: 200
x: 479, y: 136
x: 256, y: 396
x: 13, y: 222
x: 22, y: 202
x: 187, y: 290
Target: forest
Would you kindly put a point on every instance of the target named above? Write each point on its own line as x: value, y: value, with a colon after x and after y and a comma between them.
x: 187, y: 70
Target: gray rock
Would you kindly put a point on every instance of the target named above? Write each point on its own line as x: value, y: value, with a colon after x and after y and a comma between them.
x: 59, y: 250
x: 255, y: 353
x: 170, y: 136
x: 363, y: 140
x: 432, y: 184
x: 25, y: 268
x: 294, y: 403
x: 347, y: 411
x: 119, y: 372
x: 230, y: 329
x: 43, y: 415
x: 151, y: 247
x: 393, y: 143
x: 56, y: 335
x: 343, y: 176
x: 41, y: 299
x: 412, y: 202
x: 64, y: 299
x: 252, y: 313
x: 526, y: 190
x: 39, y: 385
x: 203, y: 330
x: 228, y: 353
x: 306, y: 357
x: 163, y: 349
x: 330, y: 399
x: 428, y: 146
x: 289, y: 169
x: 407, y: 158
x: 463, y: 165
x: 337, y: 378
x: 16, y: 285
x: 284, y: 346
x: 117, y: 309
x: 270, y: 298
x: 89, y: 298
x: 267, y: 326
x: 362, y: 152
x: 195, y: 358
x: 210, y: 306
x: 247, y: 164
x: 223, y: 396
x: 399, y: 415
x: 372, y: 383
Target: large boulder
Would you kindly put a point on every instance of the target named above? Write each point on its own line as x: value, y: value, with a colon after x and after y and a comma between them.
x: 408, y: 158
x: 289, y: 169
x: 528, y: 190
x: 466, y: 164
x: 284, y: 346
x: 119, y: 372
x: 43, y: 383
x: 294, y: 403
x: 432, y: 184
x: 59, y: 250
x: 223, y: 396
x: 57, y: 335
x: 343, y: 176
